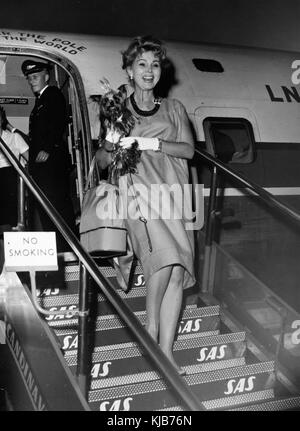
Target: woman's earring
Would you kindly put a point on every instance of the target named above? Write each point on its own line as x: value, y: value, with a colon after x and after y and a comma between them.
x: 131, y: 77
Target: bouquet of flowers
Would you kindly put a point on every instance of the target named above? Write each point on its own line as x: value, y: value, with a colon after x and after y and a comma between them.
x: 117, y: 119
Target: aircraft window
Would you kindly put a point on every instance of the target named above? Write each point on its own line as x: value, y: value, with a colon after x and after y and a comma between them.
x: 230, y: 140
x: 207, y: 65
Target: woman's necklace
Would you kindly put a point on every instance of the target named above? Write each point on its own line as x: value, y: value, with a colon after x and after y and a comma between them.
x: 141, y: 112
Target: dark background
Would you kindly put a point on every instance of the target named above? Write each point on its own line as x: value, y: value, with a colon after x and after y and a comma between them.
x: 263, y: 23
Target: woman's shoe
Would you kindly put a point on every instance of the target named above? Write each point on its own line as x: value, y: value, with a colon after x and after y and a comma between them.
x: 181, y: 371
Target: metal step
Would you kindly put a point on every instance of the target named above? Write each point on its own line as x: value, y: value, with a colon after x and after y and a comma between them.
x: 193, y: 319
x: 193, y: 354
x: 147, y: 376
x: 287, y: 403
x: 68, y: 280
x: 135, y: 298
x: 72, y: 349
x: 112, y: 331
x: 218, y: 384
x: 264, y: 396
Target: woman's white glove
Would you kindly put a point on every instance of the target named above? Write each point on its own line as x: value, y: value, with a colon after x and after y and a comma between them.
x: 143, y: 143
x: 112, y: 136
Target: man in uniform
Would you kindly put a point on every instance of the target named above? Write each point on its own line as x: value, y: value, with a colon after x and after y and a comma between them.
x: 49, y: 160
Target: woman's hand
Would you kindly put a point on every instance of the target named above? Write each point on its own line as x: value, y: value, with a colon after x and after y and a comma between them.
x: 184, y: 150
x: 103, y: 158
x: 112, y: 136
x: 143, y: 143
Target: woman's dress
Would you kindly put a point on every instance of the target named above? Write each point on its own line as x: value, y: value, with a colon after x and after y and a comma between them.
x: 161, y: 194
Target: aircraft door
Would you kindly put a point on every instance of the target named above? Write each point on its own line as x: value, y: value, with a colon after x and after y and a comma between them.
x: 79, y: 157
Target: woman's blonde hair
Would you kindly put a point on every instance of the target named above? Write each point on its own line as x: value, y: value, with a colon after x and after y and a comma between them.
x: 142, y: 44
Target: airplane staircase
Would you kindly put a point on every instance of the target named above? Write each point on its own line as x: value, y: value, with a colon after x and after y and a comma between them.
x: 225, y: 367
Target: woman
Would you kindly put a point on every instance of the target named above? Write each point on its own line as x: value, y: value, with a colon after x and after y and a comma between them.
x: 159, y: 239
x: 8, y: 175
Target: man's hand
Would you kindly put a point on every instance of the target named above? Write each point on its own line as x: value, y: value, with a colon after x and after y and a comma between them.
x: 42, y: 157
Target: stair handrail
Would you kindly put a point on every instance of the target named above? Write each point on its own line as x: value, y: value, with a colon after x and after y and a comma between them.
x: 251, y: 185
x: 164, y: 365
x: 256, y: 189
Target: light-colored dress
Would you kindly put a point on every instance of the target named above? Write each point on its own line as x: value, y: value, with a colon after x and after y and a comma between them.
x: 8, y: 178
x: 159, y: 195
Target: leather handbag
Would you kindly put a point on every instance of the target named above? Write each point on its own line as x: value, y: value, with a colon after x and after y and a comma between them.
x: 102, y: 229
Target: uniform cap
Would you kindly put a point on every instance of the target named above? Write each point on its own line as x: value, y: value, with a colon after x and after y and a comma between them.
x: 32, y: 66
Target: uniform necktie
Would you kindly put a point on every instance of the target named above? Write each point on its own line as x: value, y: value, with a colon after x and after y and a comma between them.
x: 33, y: 113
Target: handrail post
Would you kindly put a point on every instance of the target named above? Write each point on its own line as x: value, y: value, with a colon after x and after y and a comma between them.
x: 283, y: 314
x: 209, y: 234
x: 83, y: 315
x: 21, y: 198
x: 21, y: 205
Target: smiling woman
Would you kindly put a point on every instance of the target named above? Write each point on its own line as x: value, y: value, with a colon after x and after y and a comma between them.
x: 162, y: 244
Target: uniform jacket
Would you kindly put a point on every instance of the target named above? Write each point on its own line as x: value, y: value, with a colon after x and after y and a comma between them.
x: 47, y: 124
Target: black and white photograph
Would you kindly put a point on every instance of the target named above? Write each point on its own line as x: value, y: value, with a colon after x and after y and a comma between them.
x: 150, y: 208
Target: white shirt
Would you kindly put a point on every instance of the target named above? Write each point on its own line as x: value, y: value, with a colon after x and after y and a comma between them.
x: 43, y: 89
x: 16, y: 144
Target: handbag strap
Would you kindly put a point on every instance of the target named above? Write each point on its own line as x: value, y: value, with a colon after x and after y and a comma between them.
x: 91, y: 172
x: 141, y: 217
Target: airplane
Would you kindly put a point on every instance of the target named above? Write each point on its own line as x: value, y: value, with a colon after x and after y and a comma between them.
x: 243, y: 105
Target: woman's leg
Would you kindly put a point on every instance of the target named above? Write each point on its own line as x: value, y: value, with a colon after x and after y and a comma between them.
x: 169, y: 313
x: 156, y: 288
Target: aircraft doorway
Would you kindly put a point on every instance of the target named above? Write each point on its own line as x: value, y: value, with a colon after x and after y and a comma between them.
x: 18, y: 101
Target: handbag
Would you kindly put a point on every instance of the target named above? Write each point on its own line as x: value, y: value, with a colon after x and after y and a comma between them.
x: 102, y: 228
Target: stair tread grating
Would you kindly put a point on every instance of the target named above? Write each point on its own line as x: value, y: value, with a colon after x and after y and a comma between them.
x: 114, y: 322
x: 273, y: 405
x: 194, y: 379
x: 72, y: 298
x: 238, y: 399
x: 135, y: 344
x: 71, y: 272
x: 154, y: 375
x: 218, y: 403
x: 203, y: 341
